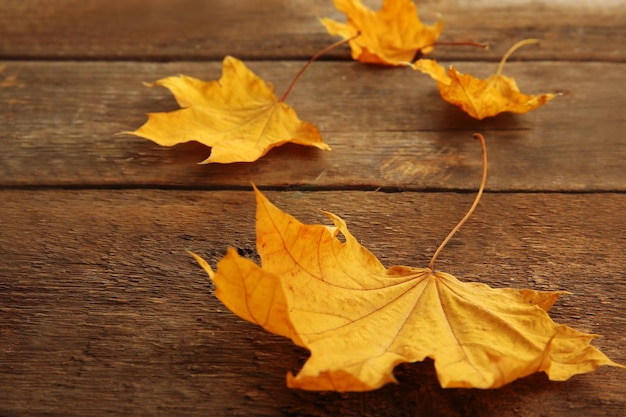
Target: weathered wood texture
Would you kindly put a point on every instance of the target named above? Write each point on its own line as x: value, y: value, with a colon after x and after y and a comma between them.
x: 103, y: 311
x: 387, y: 128
x: 200, y: 29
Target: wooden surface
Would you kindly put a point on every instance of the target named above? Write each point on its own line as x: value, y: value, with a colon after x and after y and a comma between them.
x: 103, y: 312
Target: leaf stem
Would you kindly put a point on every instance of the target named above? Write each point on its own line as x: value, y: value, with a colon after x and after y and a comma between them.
x: 483, y: 181
x: 513, y: 49
x: 313, y: 59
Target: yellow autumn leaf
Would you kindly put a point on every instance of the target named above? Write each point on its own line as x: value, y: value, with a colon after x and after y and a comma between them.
x: 390, y: 36
x: 360, y: 320
x: 482, y: 98
x: 238, y: 116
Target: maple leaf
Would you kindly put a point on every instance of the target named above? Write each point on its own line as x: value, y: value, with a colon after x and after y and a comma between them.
x: 359, y: 319
x: 482, y: 98
x: 238, y: 116
x: 390, y: 36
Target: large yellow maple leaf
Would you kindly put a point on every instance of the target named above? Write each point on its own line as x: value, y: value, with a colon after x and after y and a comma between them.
x: 390, y: 36
x: 359, y: 319
x: 482, y: 98
x: 238, y: 116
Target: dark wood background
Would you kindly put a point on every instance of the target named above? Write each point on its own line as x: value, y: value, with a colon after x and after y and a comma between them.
x: 103, y: 312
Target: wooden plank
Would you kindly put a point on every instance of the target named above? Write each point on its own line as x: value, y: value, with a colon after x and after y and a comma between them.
x: 387, y: 128
x: 197, y: 29
x: 103, y: 312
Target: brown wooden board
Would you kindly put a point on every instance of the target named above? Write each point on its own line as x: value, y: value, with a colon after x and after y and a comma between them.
x: 102, y: 311
x: 387, y: 128
x: 199, y: 29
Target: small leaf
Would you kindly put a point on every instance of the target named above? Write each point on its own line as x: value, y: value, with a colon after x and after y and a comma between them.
x: 481, y: 98
x: 239, y: 116
x: 390, y: 36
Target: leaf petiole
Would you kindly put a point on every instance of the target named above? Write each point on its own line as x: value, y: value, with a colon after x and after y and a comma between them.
x: 313, y: 59
x: 513, y: 49
x: 483, y: 181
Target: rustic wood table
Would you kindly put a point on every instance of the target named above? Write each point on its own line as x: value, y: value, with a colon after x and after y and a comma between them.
x: 102, y: 311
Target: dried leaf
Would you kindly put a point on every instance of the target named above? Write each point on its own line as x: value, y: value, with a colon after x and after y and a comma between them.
x: 359, y: 319
x: 239, y: 116
x: 390, y: 36
x: 482, y: 98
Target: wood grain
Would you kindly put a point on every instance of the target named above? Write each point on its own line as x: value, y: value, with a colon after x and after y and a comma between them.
x: 387, y: 128
x: 103, y: 312
x: 200, y: 30
x: 102, y: 309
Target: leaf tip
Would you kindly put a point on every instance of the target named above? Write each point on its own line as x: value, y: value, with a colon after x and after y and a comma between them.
x: 260, y: 198
x: 204, y: 264
x: 229, y: 59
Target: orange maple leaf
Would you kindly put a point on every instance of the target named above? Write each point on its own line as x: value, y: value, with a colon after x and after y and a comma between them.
x: 482, y: 98
x: 390, y: 36
x: 238, y: 116
x: 359, y: 319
